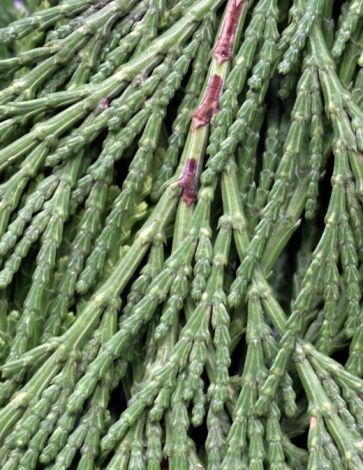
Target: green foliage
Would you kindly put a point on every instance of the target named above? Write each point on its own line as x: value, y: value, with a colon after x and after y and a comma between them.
x: 181, y: 234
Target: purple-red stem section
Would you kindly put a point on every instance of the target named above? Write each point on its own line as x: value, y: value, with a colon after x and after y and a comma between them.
x: 224, y: 47
x: 188, y: 181
x: 210, y: 102
x: 104, y: 103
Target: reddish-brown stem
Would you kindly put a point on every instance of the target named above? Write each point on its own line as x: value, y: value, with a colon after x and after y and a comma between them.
x: 210, y: 102
x: 224, y: 47
x: 188, y: 181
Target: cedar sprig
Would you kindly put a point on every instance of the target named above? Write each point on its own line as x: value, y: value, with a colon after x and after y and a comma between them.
x: 181, y: 234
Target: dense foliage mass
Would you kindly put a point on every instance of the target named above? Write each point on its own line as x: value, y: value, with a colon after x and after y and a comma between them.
x: 181, y: 234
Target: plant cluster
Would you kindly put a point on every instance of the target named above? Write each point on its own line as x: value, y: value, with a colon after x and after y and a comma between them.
x: 181, y: 234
